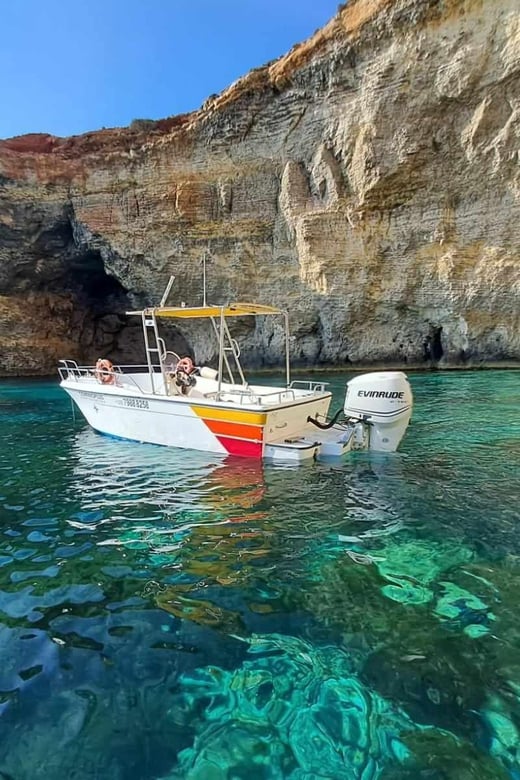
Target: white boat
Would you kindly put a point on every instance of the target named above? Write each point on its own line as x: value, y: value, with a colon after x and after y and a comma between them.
x: 173, y: 402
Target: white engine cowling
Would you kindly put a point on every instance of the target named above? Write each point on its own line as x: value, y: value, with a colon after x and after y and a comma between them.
x: 385, y: 400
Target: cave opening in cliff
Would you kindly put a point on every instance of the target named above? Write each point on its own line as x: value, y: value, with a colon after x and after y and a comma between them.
x: 101, y: 303
x: 97, y: 301
x: 433, y: 349
x: 87, y: 278
x: 100, y: 326
x: 437, y: 349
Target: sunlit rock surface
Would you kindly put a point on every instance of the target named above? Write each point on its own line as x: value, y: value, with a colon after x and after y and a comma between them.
x: 368, y: 181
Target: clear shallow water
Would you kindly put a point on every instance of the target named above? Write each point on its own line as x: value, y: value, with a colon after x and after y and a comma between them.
x: 166, y: 614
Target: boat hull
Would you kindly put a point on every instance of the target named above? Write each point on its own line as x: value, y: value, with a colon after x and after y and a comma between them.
x: 193, y: 424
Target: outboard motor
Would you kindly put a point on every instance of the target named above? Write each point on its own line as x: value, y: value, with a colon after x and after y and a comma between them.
x: 384, y: 400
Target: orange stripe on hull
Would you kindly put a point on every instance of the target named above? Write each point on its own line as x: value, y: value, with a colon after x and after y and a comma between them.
x: 223, y: 428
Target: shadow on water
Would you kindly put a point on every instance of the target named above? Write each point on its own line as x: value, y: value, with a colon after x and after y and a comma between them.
x: 172, y: 614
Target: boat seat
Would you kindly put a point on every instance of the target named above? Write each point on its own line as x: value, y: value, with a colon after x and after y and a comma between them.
x: 194, y: 393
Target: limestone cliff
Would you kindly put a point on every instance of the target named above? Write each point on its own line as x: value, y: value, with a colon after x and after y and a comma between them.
x: 368, y: 181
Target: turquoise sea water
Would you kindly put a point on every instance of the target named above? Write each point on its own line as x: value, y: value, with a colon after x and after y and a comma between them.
x: 169, y: 614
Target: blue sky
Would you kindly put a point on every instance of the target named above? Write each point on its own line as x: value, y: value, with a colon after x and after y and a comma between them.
x: 68, y: 66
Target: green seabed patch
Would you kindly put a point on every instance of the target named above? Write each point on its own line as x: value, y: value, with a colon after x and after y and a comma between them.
x: 437, y: 755
x: 291, y: 710
x: 447, y: 653
x: 419, y: 678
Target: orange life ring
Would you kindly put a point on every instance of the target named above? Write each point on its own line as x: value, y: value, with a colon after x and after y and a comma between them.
x: 185, y: 364
x: 105, y: 372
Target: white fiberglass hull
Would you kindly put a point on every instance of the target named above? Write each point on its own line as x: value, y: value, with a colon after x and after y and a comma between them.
x: 181, y: 421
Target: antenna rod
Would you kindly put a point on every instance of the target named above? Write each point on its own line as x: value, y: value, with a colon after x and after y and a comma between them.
x: 204, y: 279
x: 167, y: 291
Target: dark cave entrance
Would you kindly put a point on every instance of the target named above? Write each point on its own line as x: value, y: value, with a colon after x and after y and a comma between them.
x: 70, y: 293
x: 104, y: 330
x: 100, y: 326
x: 432, y: 347
x: 78, y: 290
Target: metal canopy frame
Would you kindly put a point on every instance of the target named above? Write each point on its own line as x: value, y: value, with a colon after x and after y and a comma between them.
x: 217, y: 316
x: 199, y: 312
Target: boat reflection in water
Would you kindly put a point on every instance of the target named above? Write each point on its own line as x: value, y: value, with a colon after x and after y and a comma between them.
x: 183, y: 521
x: 122, y: 480
x: 188, y: 523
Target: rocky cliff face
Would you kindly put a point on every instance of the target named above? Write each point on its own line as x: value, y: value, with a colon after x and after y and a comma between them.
x: 369, y: 182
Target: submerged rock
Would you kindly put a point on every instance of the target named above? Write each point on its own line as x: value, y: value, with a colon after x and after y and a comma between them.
x: 291, y: 710
x: 449, y: 661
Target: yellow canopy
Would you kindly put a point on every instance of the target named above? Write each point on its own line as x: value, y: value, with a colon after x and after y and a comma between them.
x: 190, y: 312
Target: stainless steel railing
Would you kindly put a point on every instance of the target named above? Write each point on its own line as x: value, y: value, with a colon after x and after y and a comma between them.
x: 306, y: 384
x: 70, y: 370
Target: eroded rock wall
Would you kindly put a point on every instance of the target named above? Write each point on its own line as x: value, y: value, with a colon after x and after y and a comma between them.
x: 369, y: 182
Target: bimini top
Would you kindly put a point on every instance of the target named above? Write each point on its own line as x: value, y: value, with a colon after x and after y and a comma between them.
x: 191, y: 312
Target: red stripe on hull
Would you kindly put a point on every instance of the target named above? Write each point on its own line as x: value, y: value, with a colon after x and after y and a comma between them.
x: 247, y: 449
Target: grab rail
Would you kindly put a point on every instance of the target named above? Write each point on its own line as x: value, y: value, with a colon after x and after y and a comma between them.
x: 247, y: 396
x: 307, y: 384
x: 70, y: 370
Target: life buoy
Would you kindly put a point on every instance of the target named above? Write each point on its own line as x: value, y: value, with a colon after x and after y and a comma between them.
x: 105, y: 372
x: 185, y: 364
